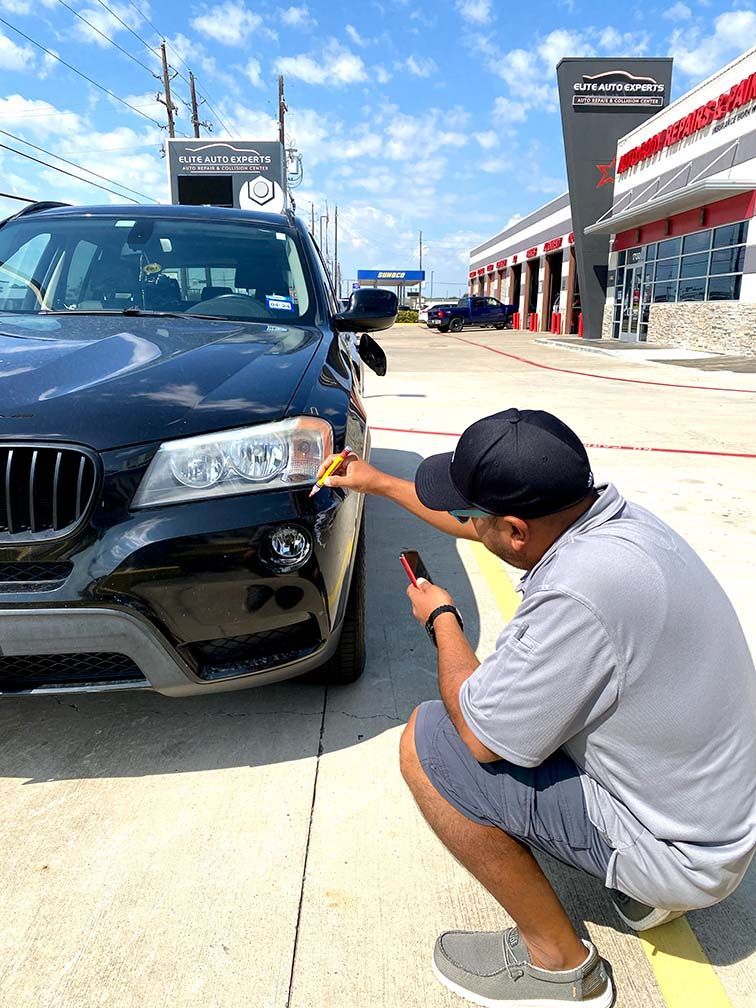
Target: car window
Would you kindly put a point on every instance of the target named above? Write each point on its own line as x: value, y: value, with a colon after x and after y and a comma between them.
x: 237, y: 270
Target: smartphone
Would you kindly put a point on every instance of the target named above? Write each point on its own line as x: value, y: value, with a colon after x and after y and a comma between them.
x: 414, y: 566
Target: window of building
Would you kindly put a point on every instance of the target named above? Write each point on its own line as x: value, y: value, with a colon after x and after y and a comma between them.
x: 703, y: 266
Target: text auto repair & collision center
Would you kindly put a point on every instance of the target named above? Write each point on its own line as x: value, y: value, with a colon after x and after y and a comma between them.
x: 680, y: 197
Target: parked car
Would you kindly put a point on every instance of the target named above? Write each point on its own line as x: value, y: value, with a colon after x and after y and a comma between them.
x: 158, y: 447
x: 423, y: 314
x: 480, y: 312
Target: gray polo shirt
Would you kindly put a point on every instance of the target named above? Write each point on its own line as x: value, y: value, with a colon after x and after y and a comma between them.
x: 626, y: 653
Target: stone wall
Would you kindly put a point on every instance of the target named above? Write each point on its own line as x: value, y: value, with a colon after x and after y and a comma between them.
x: 727, y: 327
x: 606, y: 324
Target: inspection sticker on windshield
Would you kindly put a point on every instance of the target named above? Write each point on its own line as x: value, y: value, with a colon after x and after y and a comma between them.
x: 277, y: 303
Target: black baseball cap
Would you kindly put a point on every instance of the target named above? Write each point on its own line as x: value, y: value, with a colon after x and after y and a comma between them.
x: 524, y: 463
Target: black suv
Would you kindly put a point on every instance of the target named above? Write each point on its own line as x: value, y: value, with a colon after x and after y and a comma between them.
x: 170, y: 380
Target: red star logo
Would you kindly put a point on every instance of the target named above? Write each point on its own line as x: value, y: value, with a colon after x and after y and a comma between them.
x: 606, y: 173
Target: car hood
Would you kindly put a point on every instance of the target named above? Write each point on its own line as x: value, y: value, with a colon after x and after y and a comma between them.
x: 110, y: 381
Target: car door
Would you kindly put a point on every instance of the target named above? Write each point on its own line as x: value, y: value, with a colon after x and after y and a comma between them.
x: 496, y: 310
x: 479, y: 310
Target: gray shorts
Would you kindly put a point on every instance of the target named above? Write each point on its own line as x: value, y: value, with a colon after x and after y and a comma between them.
x: 542, y: 806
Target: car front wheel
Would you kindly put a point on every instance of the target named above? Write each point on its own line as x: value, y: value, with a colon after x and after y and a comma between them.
x: 348, y: 663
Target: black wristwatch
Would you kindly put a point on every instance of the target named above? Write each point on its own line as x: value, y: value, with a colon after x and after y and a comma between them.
x: 437, y: 612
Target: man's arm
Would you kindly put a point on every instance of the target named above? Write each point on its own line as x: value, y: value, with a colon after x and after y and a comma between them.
x: 358, y: 475
x: 456, y: 660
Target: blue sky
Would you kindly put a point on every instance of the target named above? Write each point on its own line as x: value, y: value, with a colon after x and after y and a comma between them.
x: 409, y: 115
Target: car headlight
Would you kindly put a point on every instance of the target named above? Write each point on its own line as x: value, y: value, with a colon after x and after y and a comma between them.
x: 284, y: 454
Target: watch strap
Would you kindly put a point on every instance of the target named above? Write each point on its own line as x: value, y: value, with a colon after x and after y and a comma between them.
x: 436, y: 613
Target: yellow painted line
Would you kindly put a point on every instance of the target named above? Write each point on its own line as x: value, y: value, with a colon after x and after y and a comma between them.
x: 685, y: 976
x: 492, y: 569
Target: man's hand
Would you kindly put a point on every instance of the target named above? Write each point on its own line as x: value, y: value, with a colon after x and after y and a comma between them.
x: 354, y: 474
x: 425, y: 598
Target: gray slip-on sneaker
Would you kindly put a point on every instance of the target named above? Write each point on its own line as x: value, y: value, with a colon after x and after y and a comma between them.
x: 493, y: 969
x: 639, y: 916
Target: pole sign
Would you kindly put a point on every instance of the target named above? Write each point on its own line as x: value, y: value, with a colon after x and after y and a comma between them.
x: 392, y: 276
x: 248, y: 174
x: 601, y: 100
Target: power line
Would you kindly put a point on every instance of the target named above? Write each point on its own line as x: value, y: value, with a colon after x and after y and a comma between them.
x: 64, y: 172
x: 21, y: 199
x: 73, y: 164
x: 79, y: 73
x: 107, y: 39
x: 128, y: 27
x: 203, y: 92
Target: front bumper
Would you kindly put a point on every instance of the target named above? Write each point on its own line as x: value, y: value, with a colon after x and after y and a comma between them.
x: 155, y: 664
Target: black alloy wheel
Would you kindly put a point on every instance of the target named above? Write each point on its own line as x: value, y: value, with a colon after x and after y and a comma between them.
x: 456, y: 325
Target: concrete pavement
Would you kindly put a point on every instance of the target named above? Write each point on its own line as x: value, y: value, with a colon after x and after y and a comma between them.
x: 258, y: 849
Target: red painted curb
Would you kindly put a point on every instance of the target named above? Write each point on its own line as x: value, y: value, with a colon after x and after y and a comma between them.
x: 589, y: 374
x: 588, y: 444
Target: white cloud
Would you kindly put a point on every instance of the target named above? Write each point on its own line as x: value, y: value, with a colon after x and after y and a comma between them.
x: 252, y: 72
x: 298, y: 17
x: 420, y: 66
x: 487, y: 140
x: 678, y: 12
x: 355, y: 36
x: 335, y: 66
x: 698, y: 55
x: 14, y: 57
x: 507, y: 110
x: 230, y: 23
x: 477, y: 11
x: 15, y: 6
x: 38, y: 118
x: 494, y: 165
x: 382, y: 75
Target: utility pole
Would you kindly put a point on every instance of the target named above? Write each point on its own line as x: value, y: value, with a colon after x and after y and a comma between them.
x: 420, y: 284
x: 170, y: 108
x: 195, y: 111
x: 282, y: 110
x: 336, y: 252
x: 312, y: 220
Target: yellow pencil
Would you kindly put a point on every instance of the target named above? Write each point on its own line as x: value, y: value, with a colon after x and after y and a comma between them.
x: 338, y: 461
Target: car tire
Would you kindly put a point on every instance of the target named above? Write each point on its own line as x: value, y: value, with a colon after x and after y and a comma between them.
x: 500, y: 325
x: 456, y: 325
x: 348, y: 663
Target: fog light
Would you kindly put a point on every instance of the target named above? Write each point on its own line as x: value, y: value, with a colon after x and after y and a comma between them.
x: 290, y: 547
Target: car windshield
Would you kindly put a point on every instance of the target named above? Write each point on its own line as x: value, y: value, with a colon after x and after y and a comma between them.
x: 244, y: 271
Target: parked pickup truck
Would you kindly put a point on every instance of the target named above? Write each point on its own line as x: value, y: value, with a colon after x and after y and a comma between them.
x: 471, y: 311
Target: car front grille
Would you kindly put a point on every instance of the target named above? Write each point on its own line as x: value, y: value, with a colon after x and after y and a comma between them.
x: 233, y: 656
x: 33, y: 577
x: 45, y: 491
x: 20, y: 673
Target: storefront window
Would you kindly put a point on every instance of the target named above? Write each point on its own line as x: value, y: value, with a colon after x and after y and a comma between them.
x: 724, y: 288
x: 665, y: 292
x: 670, y: 247
x: 692, y: 290
x: 667, y: 269
x: 699, y: 242
x: 703, y: 266
x: 728, y: 260
x: 695, y: 265
x: 730, y: 234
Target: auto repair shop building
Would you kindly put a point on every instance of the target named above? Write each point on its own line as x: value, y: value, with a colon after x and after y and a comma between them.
x: 531, y: 264
x: 682, y: 268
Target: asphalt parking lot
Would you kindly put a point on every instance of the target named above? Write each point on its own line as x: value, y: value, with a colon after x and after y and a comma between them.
x: 258, y: 848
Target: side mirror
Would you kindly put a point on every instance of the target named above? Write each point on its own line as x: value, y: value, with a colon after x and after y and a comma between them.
x: 372, y: 354
x: 369, y: 310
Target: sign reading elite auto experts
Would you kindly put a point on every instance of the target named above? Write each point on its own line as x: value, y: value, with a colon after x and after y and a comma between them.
x: 618, y: 90
x: 243, y: 173
x: 601, y: 100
